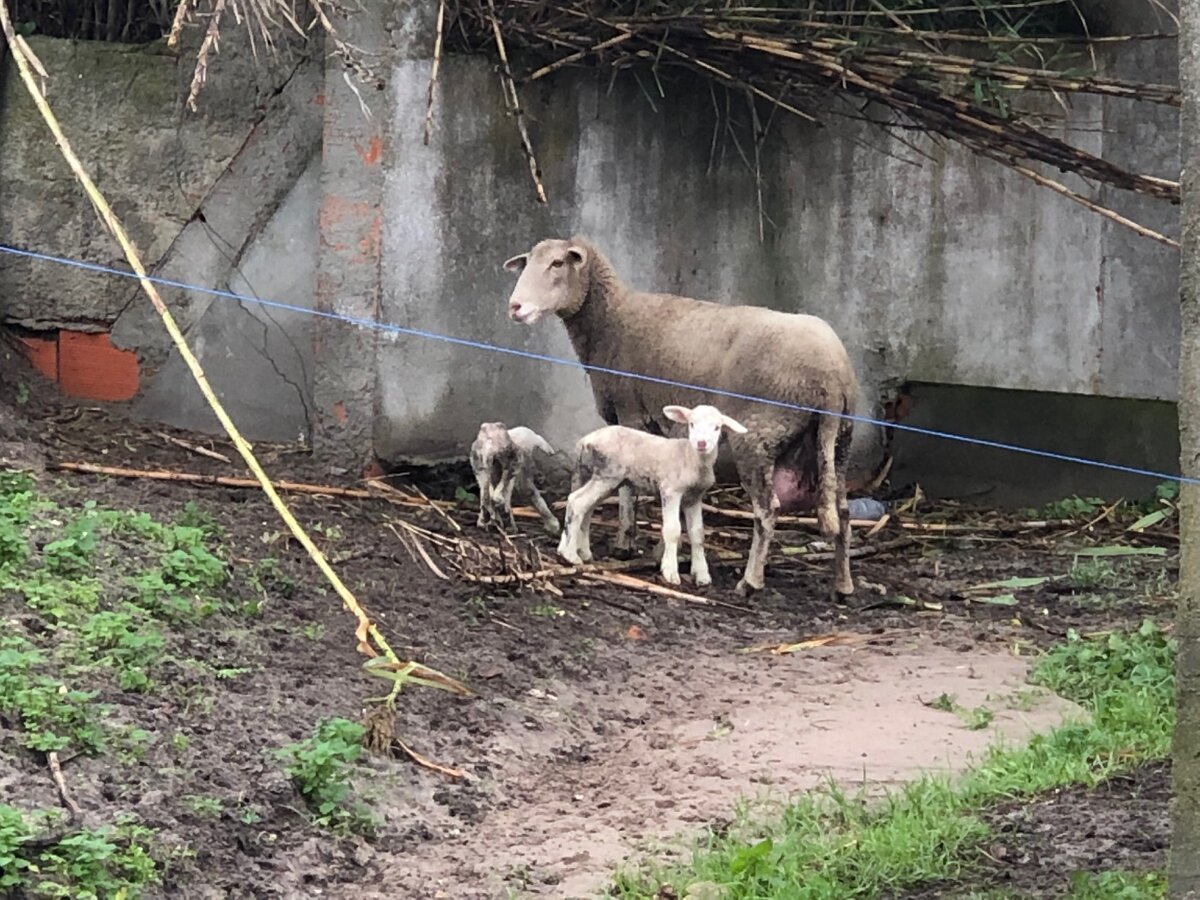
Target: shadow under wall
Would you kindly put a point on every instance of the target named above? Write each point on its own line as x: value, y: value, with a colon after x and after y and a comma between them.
x: 1143, y: 434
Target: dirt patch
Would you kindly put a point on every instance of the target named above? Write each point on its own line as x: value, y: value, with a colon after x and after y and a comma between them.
x: 1121, y: 825
x: 607, y: 720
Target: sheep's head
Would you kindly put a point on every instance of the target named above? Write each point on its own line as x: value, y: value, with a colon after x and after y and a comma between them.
x: 552, y: 280
x: 704, y: 425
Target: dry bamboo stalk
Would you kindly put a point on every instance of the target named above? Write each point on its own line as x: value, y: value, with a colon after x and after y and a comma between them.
x: 433, y: 71
x: 194, y: 448
x: 575, y: 57
x: 1093, y: 206
x: 510, y: 86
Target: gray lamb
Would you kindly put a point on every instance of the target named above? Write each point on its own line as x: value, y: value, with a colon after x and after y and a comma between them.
x: 788, y: 459
x: 502, y: 459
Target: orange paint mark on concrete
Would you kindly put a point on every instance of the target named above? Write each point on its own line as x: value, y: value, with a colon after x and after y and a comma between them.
x: 42, y: 353
x: 369, y: 243
x: 335, y: 211
x: 371, y: 154
x: 339, y: 412
x: 89, y: 366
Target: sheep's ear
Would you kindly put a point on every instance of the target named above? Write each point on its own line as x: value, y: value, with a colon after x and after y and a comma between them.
x: 733, y: 425
x: 577, y: 256
x: 677, y: 413
x: 517, y: 263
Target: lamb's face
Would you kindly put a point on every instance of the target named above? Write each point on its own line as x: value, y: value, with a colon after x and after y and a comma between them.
x: 704, y: 425
x: 551, y: 281
x: 492, y: 436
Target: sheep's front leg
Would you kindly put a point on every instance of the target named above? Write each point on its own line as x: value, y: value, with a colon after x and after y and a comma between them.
x: 625, y: 545
x: 694, y: 517
x: 758, y: 482
x: 670, y: 536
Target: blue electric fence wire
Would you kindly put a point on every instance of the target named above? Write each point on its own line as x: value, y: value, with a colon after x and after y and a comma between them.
x: 540, y: 357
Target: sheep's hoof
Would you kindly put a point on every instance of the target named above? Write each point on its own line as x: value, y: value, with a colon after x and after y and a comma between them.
x: 481, y: 521
x: 671, y: 578
x: 553, y: 529
x: 572, y: 558
x: 842, y: 590
x: 585, y: 555
x: 703, y: 580
x: 745, y: 588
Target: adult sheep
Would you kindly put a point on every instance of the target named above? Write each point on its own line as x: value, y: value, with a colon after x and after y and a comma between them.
x: 786, y: 459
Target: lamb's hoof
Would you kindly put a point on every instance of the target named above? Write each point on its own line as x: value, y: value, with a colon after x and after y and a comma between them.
x: 702, y: 580
x: 586, y: 555
x: 554, y: 530
x: 842, y: 590
x: 482, y: 521
x: 745, y: 588
x: 672, y: 578
x: 572, y: 558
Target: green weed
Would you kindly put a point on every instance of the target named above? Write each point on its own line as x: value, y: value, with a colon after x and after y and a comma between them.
x: 321, y: 765
x: 89, y: 864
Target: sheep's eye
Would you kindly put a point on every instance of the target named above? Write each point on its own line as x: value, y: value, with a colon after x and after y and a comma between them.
x: 557, y: 264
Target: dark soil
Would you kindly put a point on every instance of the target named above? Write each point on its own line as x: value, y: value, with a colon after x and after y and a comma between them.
x: 1120, y: 825
x: 519, y: 649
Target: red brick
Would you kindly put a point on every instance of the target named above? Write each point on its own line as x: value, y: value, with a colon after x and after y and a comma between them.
x: 90, y: 367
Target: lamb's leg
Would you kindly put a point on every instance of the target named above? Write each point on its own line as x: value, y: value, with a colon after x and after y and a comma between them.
x: 579, y: 509
x: 548, y: 518
x: 625, y: 546
x: 694, y: 516
x: 827, y: 479
x: 670, y: 536
x: 485, y: 495
x: 757, y: 479
x: 506, y: 492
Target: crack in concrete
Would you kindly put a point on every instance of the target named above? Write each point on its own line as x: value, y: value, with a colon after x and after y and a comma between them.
x: 234, y: 258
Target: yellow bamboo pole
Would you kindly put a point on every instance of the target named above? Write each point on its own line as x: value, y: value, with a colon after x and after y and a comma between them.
x: 366, y: 630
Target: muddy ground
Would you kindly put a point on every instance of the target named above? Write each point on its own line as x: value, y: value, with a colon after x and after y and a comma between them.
x: 607, y: 720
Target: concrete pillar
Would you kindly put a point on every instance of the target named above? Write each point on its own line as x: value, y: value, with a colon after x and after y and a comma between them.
x: 354, y: 146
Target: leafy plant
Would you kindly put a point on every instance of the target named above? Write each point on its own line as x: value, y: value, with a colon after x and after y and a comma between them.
x: 321, y: 765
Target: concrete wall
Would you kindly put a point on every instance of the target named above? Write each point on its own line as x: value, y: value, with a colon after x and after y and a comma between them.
x: 224, y: 198
x: 934, y: 266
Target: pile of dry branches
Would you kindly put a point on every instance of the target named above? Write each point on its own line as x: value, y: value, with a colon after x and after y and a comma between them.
x: 955, y: 70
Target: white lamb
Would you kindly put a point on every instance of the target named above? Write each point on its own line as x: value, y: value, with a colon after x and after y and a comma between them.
x: 680, y: 469
x: 502, y: 459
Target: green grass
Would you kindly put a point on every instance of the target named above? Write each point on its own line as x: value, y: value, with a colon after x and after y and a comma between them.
x: 96, y: 602
x: 831, y: 844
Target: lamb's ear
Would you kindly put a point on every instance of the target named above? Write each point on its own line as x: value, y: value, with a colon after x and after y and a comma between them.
x: 677, y: 414
x: 517, y: 263
x: 733, y: 425
x: 577, y: 256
